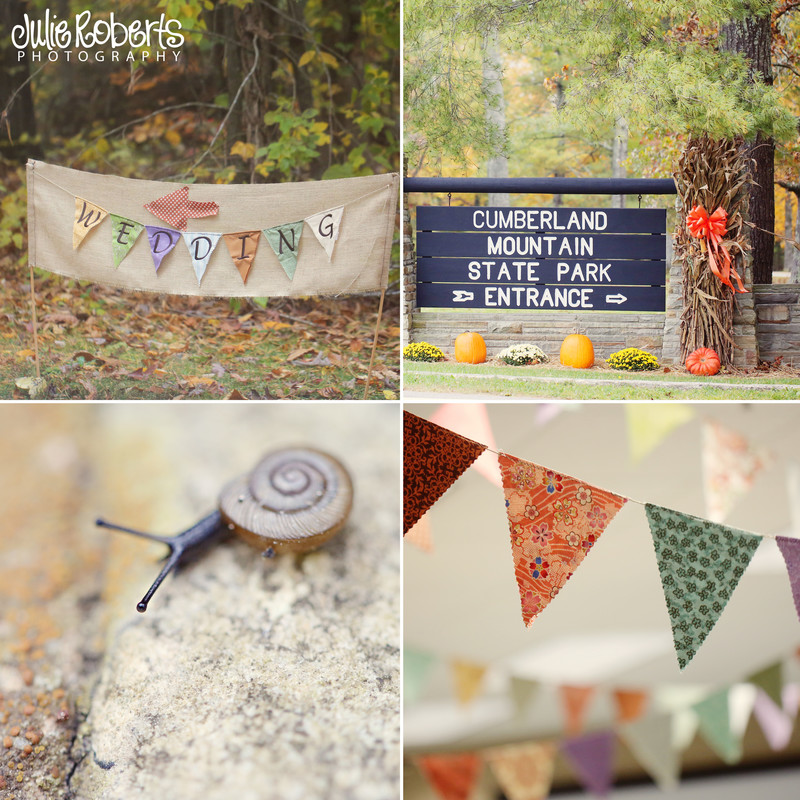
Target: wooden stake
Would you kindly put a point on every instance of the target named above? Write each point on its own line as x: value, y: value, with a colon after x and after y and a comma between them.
x: 374, y: 343
x: 35, y: 327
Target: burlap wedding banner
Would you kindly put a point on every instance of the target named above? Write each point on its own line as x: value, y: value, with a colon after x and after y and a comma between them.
x: 359, y: 260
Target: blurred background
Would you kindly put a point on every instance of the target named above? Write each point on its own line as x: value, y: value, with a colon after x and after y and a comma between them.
x: 599, y: 660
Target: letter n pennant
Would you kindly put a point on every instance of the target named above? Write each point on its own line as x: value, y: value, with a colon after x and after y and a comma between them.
x: 555, y: 520
x: 124, y: 233
x: 433, y: 458
x: 87, y: 217
x: 162, y: 241
x: 285, y: 241
x: 242, y: 246
x: 700, y: 563
x: 326, y: 227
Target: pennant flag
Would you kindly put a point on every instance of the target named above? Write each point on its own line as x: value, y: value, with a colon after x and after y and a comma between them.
x: 630, y: 704
x: 433, y: 458
x: 472, y: 421
x: 790, y: 549
x: 730, y: 467
x: 770, y: 679
x: 775, y: 723
x: 201, y: 246
x: 715, y: 725
x: 522, y: 693
x: 554, y: 520
x: 124, y: 233
x: 649, y: 424
x: 326, y: 227
x: 162, y: 241
x: 576, y: 701
x: 242, y: 246
x: 176, y: 208
x: 741, y: 699
x: 420, y: 534
x: 650, y: 739
x: 592, y: 758
x: 285, y: 241
x: 87, y: 217
x: 700, y: 563
x: 793, y: 491
x: 416, y: 666
x: 468, y: 678
x: 684, y: 728
x: 524, y: 771
x: 452, y: 776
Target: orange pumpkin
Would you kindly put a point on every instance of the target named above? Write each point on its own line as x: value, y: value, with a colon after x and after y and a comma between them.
x: 703, y: 361
x: 577, y: 351
x: 470, y: 348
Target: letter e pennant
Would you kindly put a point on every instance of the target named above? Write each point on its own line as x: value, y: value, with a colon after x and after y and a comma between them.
x: 433, y: 459
x: 87, y: 217
x: 326, y: 227
x: 242, y: 246
x: 554, y: 520
x: 124, y: 233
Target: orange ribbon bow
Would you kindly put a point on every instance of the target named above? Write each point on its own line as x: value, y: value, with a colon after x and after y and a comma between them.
x: 713, y: 228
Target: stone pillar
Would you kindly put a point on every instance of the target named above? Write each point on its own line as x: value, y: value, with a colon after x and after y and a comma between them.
x: 409, y: 269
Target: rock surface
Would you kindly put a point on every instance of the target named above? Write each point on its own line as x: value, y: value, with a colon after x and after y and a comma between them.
x: 247, y: 678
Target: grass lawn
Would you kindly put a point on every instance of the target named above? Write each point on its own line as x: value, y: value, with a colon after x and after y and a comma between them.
x: 598, y: 383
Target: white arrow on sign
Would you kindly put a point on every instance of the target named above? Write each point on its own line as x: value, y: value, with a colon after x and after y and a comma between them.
x: 462, y: 296
x: 615, y: 298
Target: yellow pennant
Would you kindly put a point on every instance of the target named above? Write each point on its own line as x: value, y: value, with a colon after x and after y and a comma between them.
x: 87, y: 217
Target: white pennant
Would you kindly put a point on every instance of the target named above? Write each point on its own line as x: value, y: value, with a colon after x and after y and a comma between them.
x: 326, y: 227
x: 201, y: 246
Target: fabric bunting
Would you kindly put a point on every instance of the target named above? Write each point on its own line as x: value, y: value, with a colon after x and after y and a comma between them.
x: 700, y: 563
x: 630, y: 704
x: 242, y: 246
x: 775, y: 723
x: 524, y: 771
x: 592, y: 759
x: 201, y: 246
x: 649, y: 425
x: 554, y: 521
x: 162, y: 241
x: 715, y: 725
x: 176, y: 208
x: 522, y: 693
x: 420, y: 534
x: 770, y: 680
x: 451, y: 776
x: 416, y: 666
x: 576, y: 700
x: 650, y: 739
x: 467, y: 678
x: 790, y: 549
x: 285, y: 241
x: 325, y: 226
x: 124, y: 233
x: 433, y: 458
x: 87, y: 217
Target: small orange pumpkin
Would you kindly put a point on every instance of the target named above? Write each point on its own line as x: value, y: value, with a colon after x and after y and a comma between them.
x: 470, y: 348
x: 577, y: 351
x: 703, y: 361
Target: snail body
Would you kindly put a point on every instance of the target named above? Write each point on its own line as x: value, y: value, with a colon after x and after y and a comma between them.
x: 294, y: 500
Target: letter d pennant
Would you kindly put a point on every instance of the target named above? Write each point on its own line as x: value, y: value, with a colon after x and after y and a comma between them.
x: 201, y: 246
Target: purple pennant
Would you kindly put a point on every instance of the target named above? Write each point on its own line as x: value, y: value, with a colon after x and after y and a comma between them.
x: 791, y: 555
x: 162, y: 241
x: 591, y: 757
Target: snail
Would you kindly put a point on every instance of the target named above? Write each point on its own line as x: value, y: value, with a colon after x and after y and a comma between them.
x: 293, y: 500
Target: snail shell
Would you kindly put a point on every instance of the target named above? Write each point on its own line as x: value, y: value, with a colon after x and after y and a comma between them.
x: 294, y: 500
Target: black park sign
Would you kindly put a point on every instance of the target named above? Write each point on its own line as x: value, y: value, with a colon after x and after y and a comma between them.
x: 549, y: 259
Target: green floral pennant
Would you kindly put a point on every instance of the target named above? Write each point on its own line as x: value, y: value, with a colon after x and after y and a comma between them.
x: 124, y: 233
x: 700, y: 563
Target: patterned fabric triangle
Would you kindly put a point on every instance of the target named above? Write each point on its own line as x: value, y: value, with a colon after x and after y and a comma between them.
x: 467, y: 678
x: 592, y: 758
x: 770, y: 679
x: 555, y: 520
x: 630, y: 704
x: 452, y: 776
x: 790, y: 548
x: 524, y: 771
x: 576, y: 700
x: 715, y: 725
x: 650, y: 740
x: 701, y: 563
x: 433, y: 458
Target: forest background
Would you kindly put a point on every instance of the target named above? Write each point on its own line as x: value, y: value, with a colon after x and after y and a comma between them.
x: 289, y: 90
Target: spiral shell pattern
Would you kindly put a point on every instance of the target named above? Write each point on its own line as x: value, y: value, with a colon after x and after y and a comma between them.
x: 295, y: 499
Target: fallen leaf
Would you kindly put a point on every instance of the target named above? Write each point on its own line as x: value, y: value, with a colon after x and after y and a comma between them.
x: 235, y: 395
x: 300, y: 351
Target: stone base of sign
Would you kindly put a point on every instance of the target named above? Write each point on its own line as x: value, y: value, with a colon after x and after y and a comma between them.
x: 777, y: 312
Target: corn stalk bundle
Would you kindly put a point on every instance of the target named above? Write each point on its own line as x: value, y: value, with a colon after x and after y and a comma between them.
x: 711, y: 173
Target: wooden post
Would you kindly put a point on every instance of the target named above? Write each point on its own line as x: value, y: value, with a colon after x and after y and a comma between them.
x: 374, y: 343
x: 35, y: 327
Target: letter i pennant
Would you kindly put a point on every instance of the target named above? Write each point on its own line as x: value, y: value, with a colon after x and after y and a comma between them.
x: 242, y: 246
x: 554, y: 520
x: 87, y: 217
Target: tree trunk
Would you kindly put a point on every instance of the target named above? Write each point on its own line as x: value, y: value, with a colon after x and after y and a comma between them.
x: 495, y: 112
x: 752, y: 38
x: 619, y: 152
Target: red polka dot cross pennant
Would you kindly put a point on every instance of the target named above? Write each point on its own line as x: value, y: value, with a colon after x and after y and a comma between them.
x: 176, y: 208
x: 555, y: 520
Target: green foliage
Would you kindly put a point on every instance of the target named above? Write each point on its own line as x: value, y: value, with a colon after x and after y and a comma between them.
x: 632, y: 359
x: 13, y: 213
x: 519, y: 355
x: 422, y: 351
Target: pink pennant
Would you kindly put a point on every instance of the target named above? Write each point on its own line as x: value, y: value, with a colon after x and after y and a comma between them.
x: 790, y: 548
x: 774, y: 721
x: 176, y: 208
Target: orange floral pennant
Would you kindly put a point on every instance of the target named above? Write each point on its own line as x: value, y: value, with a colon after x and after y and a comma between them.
x: 554, y: 520
x: 452, y: 776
